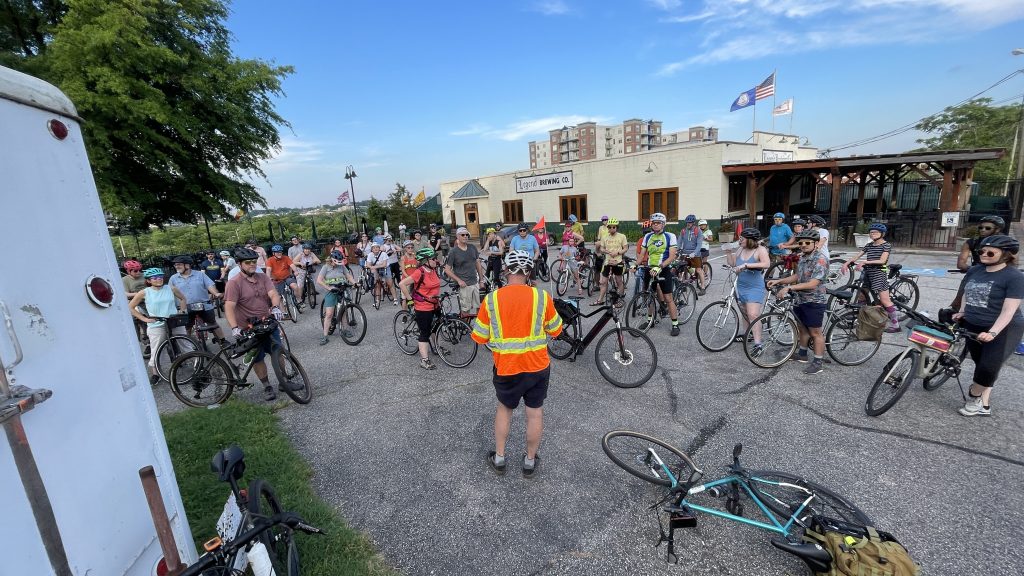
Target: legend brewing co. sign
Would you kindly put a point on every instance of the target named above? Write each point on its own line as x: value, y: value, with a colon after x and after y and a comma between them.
x: 555, y: 181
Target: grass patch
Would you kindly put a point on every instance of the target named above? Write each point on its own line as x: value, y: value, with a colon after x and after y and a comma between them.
x: 193, y: 436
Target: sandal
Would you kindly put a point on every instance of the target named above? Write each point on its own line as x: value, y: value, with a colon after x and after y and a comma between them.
x: 597, y: 303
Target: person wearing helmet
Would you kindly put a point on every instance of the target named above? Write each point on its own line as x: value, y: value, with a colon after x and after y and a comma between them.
x: 876, y: 271
x: 613, y: 245
x: 657, y: 250
x: 394, y: 266
x: 569, y: 256
x: 987, y: 226
x: 808, y: 288
x: 305, y: 263
x: 494, y: 251
x: 780, y: 235
x: 570, y: 232
x: 749, y: 263
x: 706, y: 236
x: 408, y: 261
x: 282, y: 272
x: 380, y: 274
x: 577, y: 228
x: 227, y: 265
x: 508, y: 324
x: 422, y: 287
x: 152, y: 306
x: 818, y: 223
x: 439, y: 241
x: 333, y: 276
x: 295, y: 248
x: 464, y: 266
x: 251, y: 296
x: 993, y: 292
x: 525, y: 242
x: 197, y: 288
x: 132, y: 281
x: 690, y: 240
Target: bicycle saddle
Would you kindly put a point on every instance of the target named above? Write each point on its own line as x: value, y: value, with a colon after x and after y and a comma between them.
x: 817, y: 558
x: 576, y: 298
x: 229, y: 463
x: 895, y: 267
x: 841, y: 294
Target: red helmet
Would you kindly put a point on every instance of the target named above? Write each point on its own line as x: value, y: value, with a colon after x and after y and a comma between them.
x: 130, y: 265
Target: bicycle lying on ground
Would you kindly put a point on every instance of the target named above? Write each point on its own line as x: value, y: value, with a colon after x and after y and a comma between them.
x: 625, y: 356
x: 450, y: 337
x: 202, y: 379
x: 347, y: 314
x: 788, y: 504
x: 253, y: 529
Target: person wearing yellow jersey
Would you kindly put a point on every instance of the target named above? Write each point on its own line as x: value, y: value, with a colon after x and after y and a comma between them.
x: 514, y: 322
x: 613, y: 247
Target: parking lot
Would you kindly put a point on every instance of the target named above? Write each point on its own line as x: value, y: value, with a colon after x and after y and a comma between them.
x: 400, y: 451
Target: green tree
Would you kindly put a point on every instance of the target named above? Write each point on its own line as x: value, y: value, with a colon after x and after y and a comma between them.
x: 175, y: 125
x: 974, y: 124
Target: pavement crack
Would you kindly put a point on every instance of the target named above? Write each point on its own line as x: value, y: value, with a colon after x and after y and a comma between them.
x: 756, y: 381
x: 704, y: 434
x: 673, y: 398
x: 957, y: 447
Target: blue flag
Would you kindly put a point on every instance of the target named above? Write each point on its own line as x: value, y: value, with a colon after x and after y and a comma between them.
x: 743, y: 100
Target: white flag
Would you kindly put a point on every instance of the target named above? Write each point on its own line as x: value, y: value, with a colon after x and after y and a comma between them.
x: 785, y: 108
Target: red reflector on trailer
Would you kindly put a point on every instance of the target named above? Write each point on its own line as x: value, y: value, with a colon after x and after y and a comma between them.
x: 161, y: 568
x: 58, y: 129
x: 100, y: 291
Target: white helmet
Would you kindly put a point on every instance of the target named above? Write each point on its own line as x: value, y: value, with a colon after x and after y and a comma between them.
x: 518, y: 262
x: 658, y: 217
x: 702, y: 222
x: 225, y: 253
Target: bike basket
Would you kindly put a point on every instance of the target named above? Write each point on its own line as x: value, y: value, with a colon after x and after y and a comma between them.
x: 930, y: 338
x: 566, y: 309
x: 197, y: 306
x: 177, y: 321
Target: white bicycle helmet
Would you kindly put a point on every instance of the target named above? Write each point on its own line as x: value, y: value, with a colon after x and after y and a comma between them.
x: 658, y: 217
x: 518, y: 262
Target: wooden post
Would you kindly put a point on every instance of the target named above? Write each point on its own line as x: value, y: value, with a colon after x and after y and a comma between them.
x: 895, y: 188
x: 946, y: 195
x: 837, y: 188
x: 786, y: 193
x: 752, y: 198
x: 861, y: 190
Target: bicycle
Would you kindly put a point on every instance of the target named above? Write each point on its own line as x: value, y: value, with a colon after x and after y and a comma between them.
x: 620, y: 353
x: 288, y: 299
x: 788, y: 503
x: 564, y: 277
x: 718, y: 324
x: 176, y: 344
x: 903, y: 290
x: 253, y: 529
x: 541, y: 269
x: 641, y: 308
x: 309, y: 285
x: 351, y: 315
x: 450, y: 337
x: 202, y: 379
x: 785, y: 265
x: 935, y: 352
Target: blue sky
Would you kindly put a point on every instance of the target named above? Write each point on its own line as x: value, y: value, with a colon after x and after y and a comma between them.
x: 426, y: 92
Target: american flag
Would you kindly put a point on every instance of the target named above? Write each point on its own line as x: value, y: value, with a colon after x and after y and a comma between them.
x: 766, y: 88
x: 343, y: 197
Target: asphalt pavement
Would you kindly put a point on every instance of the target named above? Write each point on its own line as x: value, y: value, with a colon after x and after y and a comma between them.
x: 400, y: 451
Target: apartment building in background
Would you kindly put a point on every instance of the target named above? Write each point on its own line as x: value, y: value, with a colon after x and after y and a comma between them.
x: 591, y: 141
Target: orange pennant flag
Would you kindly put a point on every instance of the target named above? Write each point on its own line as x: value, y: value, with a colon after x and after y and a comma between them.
x: 539, y: 224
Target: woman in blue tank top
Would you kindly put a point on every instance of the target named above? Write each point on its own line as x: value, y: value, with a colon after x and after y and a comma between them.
x: 750, y: 262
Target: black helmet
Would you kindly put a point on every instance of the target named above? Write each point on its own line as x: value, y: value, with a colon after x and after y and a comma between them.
x: 1007, y: 243
x: 815, y: 219
x: 751, y: 233
x: 183, y: 260
x: 808, y: 235
x: 799, y: 221
x: 246, y: 254
x: 999, y: 222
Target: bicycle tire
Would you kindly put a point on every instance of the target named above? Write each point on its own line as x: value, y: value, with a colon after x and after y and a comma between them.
x: 782, y: 500
x: 779, y: 340
x: 629, y: 348
x: 311, y: 294
x: 406, y: 332
x: 279, y: 540
x: 585, y: 279
x: 563, y: 283
x: 195, y: 373
x: 629, y: 451
x: 776, y: 271
x: 543, y: 270
x: 563, y: 345
x: 906, y: 292
x: 709, y: 274
x: 959, y: 351
x: 894, y: 380
x: 639, y: 310
x: 353, y: 324
x: 293, y: 308
x: 451, y: 341
x: 842, y: 344
x: 835, y: 278
x: 169, y: 350
x: 723, y: 329
x: 287, y: 369
x: 685, y: 297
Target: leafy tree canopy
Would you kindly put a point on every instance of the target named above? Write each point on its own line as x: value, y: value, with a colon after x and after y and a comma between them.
x: 974, y: 124
x: 175, y: 125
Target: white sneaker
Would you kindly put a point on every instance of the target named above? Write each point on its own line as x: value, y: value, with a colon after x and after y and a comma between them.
x: 974, y: 407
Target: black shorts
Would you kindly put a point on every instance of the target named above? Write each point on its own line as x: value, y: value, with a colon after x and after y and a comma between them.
x: 425, y: 321
x: 531, y: 387
x: 989, y: 357
x: 810, y: 314
x: 665, y: 280
x: 208, y: 316
x: 610, y: 269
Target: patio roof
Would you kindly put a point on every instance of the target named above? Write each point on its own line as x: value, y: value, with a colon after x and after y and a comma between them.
x: 875, y: 161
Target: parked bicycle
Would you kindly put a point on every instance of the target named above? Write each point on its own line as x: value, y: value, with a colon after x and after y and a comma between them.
x: 309, y: 285
x: 786, y: 503
x: 625, y: 356
x: 347, y: 314
x: 718, y: 323
x: 902, y: 288
x: 646, y: 308
x: 290, y: 303
x: 450, y: 337
x: 254, y: 530
x: 177, y: 344
x: 785, y: 265
x: 202, y: 379
x: 564, y: 277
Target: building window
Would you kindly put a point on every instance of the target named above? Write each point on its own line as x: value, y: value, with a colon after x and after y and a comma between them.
x: 573, y: 205
x: 737, y: 193
x: 629, y: 149
x: 512, y: 210
x: 664, y: 200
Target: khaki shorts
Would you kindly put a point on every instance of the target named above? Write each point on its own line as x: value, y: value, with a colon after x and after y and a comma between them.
x: 469, y: 298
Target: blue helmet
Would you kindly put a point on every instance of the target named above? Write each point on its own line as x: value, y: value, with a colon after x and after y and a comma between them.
x: 779, y: 215
x: 691, y: 218
x: 878, y: 226
x: 276, y: 248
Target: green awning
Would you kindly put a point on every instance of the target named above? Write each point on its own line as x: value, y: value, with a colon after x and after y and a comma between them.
x: 471, y: 189
x: 432, y: 204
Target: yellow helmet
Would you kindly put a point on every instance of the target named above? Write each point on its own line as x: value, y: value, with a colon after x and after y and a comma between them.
x: 612, y: 222
x: 491, y: 230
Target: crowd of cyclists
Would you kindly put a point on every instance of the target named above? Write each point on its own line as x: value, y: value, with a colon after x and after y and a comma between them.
x: 411, y: 271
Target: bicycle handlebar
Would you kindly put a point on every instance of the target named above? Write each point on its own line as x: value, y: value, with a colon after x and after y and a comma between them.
x: 259, y: 525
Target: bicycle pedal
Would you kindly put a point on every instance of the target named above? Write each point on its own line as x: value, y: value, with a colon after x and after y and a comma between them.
x: 682, y: 519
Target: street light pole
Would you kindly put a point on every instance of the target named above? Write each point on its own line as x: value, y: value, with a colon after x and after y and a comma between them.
x: 350, y: 175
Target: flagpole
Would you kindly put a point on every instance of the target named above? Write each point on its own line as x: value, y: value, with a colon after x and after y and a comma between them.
x: 775, y: 87
x: 754, y: 125
x: 792, y: 107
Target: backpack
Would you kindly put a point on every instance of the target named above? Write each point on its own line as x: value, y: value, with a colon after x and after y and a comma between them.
x: 861, y: 550
x: 871, y: 322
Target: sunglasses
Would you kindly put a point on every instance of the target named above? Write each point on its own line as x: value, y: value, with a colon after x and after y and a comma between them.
x: 989, y: 253
x: 612, y: 226
x: 989, y: 228
x: 248, y: 262
x: 805, y: 243
x: 466, y: 235
x: 151, y: 278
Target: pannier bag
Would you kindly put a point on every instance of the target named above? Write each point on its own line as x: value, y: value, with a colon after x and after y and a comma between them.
x: 871, y: 321
x: 566, y: 309
x: 866, y: 554
x: 930, y: 338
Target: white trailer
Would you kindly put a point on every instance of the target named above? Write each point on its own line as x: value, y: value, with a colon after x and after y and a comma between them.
x: 82, y: 436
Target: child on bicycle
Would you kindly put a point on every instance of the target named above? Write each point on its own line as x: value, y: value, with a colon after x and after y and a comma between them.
x: 380, y: 273
x: 569, y: 254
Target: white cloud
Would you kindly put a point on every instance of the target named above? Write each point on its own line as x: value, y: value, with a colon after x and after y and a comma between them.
x: 665, y: 4
x: 518, y: 130
x: 550, y: 7
x: 472, y: 130
x: 294, y: 153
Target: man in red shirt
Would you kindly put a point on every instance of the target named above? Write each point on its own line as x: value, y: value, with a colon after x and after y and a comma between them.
x: 282, y: 270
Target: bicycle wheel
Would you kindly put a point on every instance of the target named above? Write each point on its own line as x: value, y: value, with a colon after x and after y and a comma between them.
x: 407, y: 332
x: 640, y: 311
x: 906, y: 292
x: 717, y: 326
x: 291, y: 375
x: 894, y: 380
x: 201, y: 379
x: 310, y: 294
x: 563, y: 345
x: 170, y: 350
x: 842, y: 344
x: 585, y: 279
x: 626, y: 357
x: 779, y: 340
x: 631, y: 451
x: 352, y: 322
x: 279, y: 540
x: 776, y: 271
x: 685, y: 296
x: 293, y: 308
x: 785, y: 500
x: 563, y: 283
x: 708, y: 273
x: 451, y: 341
x: 836, y: 279
x: 543, y: 271
x: 959, y: 351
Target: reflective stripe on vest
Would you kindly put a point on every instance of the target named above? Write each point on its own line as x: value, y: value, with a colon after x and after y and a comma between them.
x: 536, y: 340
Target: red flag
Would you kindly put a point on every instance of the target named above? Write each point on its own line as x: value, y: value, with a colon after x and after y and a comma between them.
x: 739, y: 228
x: 539, y: 224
